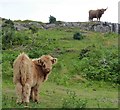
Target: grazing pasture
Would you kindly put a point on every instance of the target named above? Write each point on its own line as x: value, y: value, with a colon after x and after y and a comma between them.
x: 85, y: 76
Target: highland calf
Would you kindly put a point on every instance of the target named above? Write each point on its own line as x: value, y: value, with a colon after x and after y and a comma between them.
x: 29, y: 75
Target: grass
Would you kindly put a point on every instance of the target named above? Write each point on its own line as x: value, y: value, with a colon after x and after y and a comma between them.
x: 68, y: 84
x: 53, y: 96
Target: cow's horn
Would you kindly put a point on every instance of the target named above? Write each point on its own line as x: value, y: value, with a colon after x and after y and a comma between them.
x: 106, y: 8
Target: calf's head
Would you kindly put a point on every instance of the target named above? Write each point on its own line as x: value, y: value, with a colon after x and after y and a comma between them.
x: 46, y: 62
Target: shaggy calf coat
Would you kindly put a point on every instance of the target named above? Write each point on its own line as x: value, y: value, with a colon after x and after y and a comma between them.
x: 28, y: 75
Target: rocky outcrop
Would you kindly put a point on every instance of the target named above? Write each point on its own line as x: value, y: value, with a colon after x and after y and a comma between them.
x: 88, y: 26
x: 19, y: 26
x: 94, y: 26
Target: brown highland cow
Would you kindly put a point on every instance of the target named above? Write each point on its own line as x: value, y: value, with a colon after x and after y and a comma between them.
x: 96, y: 14
x: 29, y: 75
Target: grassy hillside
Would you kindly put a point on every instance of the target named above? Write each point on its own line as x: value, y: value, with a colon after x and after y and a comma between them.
x: 86, y: 75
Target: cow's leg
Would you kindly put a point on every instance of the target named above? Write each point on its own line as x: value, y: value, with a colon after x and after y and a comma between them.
x: 19, y: 93
x: 26, y: 93
x: 36, y: 94
x: 98, y: 19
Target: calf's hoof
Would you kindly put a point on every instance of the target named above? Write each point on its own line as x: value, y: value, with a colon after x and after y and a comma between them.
x: 36, y: 101
x: 18, y: 101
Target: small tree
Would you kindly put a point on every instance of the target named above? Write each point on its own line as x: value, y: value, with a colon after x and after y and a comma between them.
x: 52, y: 19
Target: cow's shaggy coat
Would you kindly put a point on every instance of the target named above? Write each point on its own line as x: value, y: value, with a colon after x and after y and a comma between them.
x: 29, y: 74
x: 96, y: 14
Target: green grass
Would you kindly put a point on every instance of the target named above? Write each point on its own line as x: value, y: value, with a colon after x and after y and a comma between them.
x: 53, y: 96
x: 92, y: 84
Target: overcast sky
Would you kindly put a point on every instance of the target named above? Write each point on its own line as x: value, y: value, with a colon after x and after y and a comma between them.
x: 63, y: 10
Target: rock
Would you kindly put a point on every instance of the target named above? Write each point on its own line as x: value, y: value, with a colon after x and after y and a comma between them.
x: 68, y: 24
x: 38, y: 25
x: 87, y: 26
x: 75, y: 24
x: 47, y: 26
x: 101, y: 28
x: 19, y: 27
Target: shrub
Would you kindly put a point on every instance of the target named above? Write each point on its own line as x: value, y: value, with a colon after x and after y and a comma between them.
x: 78, y: 36
x: 73, y: 101
x: 21, y: 38
x: 99, y: 64
x: 12, y: 37
x: 7, y: 33
x: 52, y: 19
x: 34, y: 29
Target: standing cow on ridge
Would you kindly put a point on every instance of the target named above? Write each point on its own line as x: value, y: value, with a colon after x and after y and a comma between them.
x: 96, y: 14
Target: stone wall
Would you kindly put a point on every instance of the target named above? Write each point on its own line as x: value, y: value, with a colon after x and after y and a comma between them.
x: 88, y: 26
x: 94, y: 26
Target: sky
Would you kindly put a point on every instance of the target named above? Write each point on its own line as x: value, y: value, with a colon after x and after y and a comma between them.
x: 62, y: 10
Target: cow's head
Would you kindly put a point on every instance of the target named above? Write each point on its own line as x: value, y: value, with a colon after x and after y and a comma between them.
x: 46, y: 62
x: 102, y: 10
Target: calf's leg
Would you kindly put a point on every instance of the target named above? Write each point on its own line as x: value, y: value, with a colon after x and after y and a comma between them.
x: 26, y: 93
x: 36, y: 94
x: 19, y: 93
x: 32, y: 94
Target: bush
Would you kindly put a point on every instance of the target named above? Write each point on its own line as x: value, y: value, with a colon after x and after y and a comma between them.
x: 21, y: 38
x: 12, y: 37
x: 52, y: 19
x: 78, y: 36
x: 34, y: 29
x: 73, y: 101
x: 99, y: 64
x: 7, y: 33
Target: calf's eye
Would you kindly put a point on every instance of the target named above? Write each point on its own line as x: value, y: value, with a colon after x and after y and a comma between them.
x: 44, y: 65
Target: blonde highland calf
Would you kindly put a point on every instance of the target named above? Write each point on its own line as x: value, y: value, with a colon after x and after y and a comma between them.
x: 28, y: 75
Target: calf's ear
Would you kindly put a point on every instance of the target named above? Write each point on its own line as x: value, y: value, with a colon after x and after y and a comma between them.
x: 40, y: 62
x: 54, y: 60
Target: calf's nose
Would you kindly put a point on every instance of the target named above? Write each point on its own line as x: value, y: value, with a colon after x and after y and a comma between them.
x: 47, y: 70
